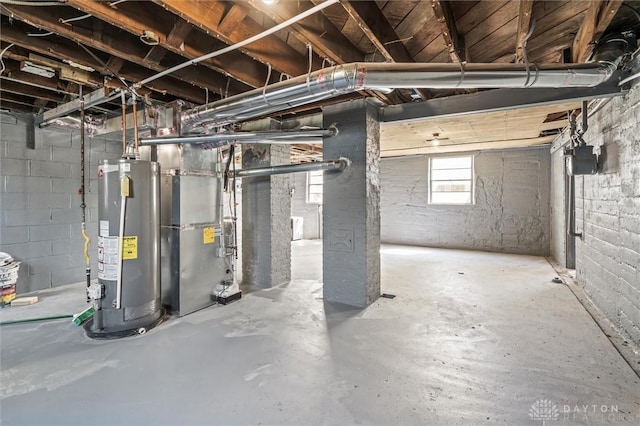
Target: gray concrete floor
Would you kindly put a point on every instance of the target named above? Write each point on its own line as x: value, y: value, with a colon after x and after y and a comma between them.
x: 471, y: 338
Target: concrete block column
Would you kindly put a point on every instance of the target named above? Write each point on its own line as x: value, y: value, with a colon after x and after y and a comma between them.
x: 351, y: 211
x: 266, y: 219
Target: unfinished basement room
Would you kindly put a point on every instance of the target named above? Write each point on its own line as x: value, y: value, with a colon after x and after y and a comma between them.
x: 306, y: 212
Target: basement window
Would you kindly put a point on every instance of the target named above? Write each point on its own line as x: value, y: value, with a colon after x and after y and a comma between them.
x: 451, y: 180
x: 314, y: 187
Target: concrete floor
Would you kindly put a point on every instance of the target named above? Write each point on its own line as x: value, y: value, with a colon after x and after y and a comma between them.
x: 471, y: 338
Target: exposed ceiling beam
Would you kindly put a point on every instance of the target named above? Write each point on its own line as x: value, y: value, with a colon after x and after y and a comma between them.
x: 174, y: 40
x: 379, y: 31
x: 115, y: 64
x: 316, y: 29
x: 455, y: 43
x: 271, y: 49
x: 232, y: 18
x: 130, y: 72
x: 34, y: 92
x: 136, y: 22
x: 524, y: 25
x: 131, y: 52
x: 14, y: 106
x: 597, y: 18
x: 15, y: 98
x: 39, y: 104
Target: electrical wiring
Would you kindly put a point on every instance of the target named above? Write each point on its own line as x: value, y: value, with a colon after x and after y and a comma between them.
x: 243, y: 43
x: 32, y: 3
x: 64, y: 21
x: 2, y: 67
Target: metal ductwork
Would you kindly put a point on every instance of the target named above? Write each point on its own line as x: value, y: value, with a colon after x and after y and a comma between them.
x: 342, y: 79
x: 328, y: 165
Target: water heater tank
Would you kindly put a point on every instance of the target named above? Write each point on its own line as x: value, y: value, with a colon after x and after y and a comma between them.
x: 128, y: 290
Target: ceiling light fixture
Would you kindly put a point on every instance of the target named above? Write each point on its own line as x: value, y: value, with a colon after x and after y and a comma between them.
x: 36, y: 69
x: 268, y: 1
x: 150, y: 38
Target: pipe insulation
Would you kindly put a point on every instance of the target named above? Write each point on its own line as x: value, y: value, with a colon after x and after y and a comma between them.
x: 342, y: 79
x: 327, y: 165
x: 269, y: 136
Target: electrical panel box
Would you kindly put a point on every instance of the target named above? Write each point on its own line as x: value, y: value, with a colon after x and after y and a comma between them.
x: 581, y: 160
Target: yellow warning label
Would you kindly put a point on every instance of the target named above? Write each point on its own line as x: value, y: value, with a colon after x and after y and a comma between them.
x: 129, y: 248
x: 208, y: 235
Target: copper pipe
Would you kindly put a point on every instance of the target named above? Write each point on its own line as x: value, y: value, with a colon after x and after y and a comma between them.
x: 135, y: 125
x: 124, y: 124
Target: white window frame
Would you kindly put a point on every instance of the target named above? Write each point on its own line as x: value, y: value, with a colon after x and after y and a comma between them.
x: 472, y: 181
x: 312, y: 188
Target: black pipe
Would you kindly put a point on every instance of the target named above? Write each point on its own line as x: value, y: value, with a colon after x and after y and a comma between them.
x: 83, y: 204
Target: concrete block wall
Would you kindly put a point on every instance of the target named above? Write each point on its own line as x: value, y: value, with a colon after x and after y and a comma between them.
x: 510, y: 214
x: 608, y: 215
x: 40, y: 204
x: 311, y: 213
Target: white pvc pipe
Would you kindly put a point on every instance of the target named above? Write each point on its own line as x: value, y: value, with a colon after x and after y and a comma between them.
x: 123, y: 204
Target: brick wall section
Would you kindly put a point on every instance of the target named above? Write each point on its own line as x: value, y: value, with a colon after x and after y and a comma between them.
x: 40, y: 220
x: 511, y: 212
x: 608, y: 214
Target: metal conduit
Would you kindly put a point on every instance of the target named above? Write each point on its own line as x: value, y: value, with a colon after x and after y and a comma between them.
x: 328, y: 165
x: 341, y: 79
x: 269, y: 136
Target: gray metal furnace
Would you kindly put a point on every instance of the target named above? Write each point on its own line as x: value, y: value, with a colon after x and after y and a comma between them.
x: 127, y: 296
x: 197, y: 267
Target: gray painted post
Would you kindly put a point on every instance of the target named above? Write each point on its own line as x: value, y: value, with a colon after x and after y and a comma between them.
x: 351, y: 211
x: 266, y: 219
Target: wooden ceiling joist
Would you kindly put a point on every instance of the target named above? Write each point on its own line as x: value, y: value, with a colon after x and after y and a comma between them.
x: 113, y: 46
x: 34, y: 92
x: 269, y: 50
x: 597, y: 18
x: 375, y: 26
x: 130, y: 72
x: 524, y: 25
x: 174, y: 40
x: 455, y: 43
x: 246, y: 69
x: 316, y: 29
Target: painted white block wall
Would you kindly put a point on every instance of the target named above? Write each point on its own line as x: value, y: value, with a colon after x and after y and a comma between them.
x: 510, y: 214
x: 311, y: 213
x: 40, y: 203
x: 608, y: 215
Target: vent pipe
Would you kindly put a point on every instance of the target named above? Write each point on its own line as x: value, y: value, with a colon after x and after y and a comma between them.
x: 327, y: 165
x: 342, y: 79
x: 221, y: 139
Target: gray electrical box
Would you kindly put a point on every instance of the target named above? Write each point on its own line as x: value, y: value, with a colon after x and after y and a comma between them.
x: 581, y: 160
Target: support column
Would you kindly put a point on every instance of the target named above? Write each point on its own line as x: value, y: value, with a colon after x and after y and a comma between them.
x: 266, y: 219
x: 351, y: 210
